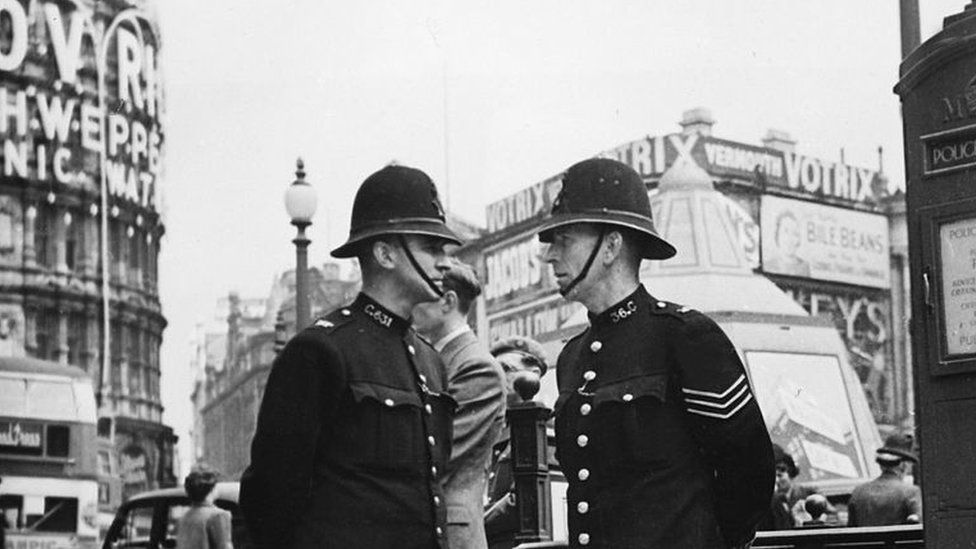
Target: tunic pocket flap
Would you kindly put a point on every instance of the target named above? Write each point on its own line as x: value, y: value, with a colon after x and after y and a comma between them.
x: 632, y: 389
x: 383, y: 394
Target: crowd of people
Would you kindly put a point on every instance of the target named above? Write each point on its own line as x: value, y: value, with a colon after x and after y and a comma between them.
x: 383, y: 424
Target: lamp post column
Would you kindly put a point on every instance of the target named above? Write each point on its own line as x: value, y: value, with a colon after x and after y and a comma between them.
x: 302, y: 312
x: 300, y: 203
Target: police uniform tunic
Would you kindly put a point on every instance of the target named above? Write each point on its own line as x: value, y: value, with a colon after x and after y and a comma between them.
x: 658, y: 432
x: 353, y: 430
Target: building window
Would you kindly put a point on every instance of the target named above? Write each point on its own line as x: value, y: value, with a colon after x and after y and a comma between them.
x: 46, y: 334
x: 135, y: 364
x: 115, y: 249
x: 77, y: 340
x: 73, y: 242
x: 115, y: 347
x: 44, y: 236
x: 134, y: 256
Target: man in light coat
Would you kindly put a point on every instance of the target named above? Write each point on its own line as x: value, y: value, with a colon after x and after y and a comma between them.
x: 476, y: 382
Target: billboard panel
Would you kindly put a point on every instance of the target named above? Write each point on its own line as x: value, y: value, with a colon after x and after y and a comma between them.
x: 826, y: 243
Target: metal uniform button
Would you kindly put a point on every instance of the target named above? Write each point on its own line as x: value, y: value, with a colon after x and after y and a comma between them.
x: 433, y: 470
x: 585, y: 409
x: 411, y: 350
x: 584, y: 539
x: 628, y: 397
x: 582, y: 440
x: 596, y: 346
x: 428, y: 409
x: 389, y: 402
x: 345, y: 312
x: 589, y: 375
x: 437, y: 501
x: 423, y: 378
x: 582, y: 507
x: 661, y: 304
x: 583, y: 474
x: 440, y: 531
x: 430, y: 440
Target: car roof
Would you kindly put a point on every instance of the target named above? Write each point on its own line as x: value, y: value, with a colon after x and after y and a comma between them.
x: 225, y: 491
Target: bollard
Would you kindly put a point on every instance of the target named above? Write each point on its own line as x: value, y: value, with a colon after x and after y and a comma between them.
x: 530, y: 463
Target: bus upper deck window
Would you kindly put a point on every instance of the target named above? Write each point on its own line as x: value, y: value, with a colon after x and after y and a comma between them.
x: 60, y: 515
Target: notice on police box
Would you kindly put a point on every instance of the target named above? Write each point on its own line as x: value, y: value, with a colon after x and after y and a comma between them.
x: 959, y: 285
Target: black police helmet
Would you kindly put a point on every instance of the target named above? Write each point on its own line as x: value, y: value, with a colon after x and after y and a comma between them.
x: 604, y: 191
x: 395, y: 200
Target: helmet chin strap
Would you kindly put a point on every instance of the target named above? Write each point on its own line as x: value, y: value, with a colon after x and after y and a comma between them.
x: 589, y: 263
x: 416, y: 266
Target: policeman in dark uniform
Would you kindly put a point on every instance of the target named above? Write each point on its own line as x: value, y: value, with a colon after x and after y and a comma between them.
x: 657, y: 431
x: 355, y: 423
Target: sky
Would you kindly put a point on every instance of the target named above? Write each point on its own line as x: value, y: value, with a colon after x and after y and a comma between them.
x: 487, y: 98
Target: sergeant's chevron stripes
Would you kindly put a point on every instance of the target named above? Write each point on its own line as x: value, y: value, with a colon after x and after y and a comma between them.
x: 718, y: 405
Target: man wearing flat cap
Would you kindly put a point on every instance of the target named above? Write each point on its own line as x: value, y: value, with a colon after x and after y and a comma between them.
x: 657, y: 430
x: 354, y: 428
x: 888, y: 499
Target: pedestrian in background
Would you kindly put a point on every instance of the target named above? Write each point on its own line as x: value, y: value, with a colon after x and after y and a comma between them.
x: 888, y: 499
x: 354, y: 429
x: 520, y: 357
x: 476, y: 382
x: 657, y: 430
x: 788, y: 507
x: 204, y: 525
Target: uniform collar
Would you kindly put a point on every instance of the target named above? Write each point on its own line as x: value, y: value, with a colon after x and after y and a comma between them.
x: 380, y: 315
x: 622, y: 310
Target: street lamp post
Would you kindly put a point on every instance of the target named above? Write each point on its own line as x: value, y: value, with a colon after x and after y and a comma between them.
x: 300, y: 203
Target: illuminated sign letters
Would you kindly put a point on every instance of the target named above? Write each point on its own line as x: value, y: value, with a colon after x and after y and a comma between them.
x: 58, y: 130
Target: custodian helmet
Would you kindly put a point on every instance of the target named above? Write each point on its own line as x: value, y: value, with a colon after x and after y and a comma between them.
x: 395, y: 200
x: 604, y: 191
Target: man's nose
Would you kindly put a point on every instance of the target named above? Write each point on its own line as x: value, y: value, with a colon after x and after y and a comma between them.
x: 548, y: 253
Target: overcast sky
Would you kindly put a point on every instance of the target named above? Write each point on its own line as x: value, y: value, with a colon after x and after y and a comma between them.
x: 487, y: 97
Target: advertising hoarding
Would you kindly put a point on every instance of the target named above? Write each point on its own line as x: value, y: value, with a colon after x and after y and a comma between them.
x: 766, y: 168
x: 958, y: 258
x: 99, y: 96
x: 826, y: 243
x: 540, y: 319
x: 515, y: 273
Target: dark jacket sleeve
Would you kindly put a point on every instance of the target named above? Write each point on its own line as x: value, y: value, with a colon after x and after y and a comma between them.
x: 728, y: 425
x: 301, y: 396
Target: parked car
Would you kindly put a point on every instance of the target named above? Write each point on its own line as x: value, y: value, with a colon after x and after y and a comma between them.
x: 149, y: 520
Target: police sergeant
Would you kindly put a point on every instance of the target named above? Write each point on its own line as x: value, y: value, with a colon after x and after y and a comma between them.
x: 355, y: 423
x: 657, y: 430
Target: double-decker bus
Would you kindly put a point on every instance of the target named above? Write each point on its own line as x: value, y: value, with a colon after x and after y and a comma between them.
x: 48, y: 455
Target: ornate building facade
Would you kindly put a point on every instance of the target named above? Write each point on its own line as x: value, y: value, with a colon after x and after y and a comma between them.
x: 81, y: 143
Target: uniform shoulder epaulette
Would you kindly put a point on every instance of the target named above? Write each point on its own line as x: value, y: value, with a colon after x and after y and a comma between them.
x: 682, y: 312
x: 334, y: 320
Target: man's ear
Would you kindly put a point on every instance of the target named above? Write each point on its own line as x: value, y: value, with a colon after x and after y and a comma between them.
x: 449, y: 301
x: 384, y: 254
x: 613, y: 243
